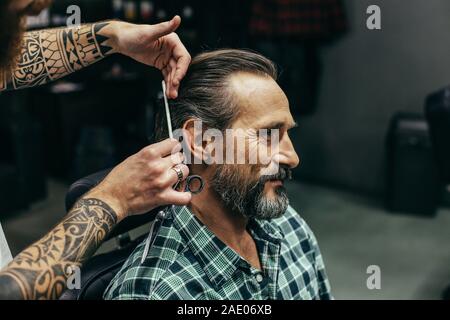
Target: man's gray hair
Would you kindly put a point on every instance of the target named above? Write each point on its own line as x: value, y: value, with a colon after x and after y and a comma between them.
x: 204, y: 92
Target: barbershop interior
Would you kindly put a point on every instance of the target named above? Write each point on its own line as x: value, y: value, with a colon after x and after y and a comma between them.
x: 371, y: 99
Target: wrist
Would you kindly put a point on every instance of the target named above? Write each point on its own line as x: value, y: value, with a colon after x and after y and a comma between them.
x: 111, y: 200
x: 114, y: 33
x: 107, y: 34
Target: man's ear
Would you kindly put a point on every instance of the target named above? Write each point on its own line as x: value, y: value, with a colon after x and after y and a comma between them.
x: 193, y: 140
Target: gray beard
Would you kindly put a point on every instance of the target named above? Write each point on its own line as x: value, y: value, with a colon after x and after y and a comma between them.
x: 250, y: 202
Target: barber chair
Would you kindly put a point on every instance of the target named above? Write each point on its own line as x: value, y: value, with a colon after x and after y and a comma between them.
x: 437, y: 111
x: 98, y: 271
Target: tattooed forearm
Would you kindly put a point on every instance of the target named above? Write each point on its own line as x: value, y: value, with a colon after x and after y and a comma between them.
x: 40, y: 271
x: 47, y: 55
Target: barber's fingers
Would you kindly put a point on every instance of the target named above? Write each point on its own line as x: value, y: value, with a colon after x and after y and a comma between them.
x: 183, y: 60
x: 165, y: 172
x: 168, y: 175
x: 172, y: 159
x: 178, y: 198
x: 162, y: 149
x: 172, y: 92
x: 165, y: 28
x: 172, y: 176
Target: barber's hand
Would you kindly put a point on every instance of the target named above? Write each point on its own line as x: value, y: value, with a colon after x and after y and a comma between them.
x: 157, y: 46
x: 144, y: 181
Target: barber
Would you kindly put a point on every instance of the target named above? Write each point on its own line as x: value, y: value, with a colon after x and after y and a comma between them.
x: 140, y: 183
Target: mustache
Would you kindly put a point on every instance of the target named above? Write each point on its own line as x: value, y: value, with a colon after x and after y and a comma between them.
x: 284, y: 173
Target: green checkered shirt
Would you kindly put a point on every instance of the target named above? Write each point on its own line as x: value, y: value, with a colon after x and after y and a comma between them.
x: 187, y: 261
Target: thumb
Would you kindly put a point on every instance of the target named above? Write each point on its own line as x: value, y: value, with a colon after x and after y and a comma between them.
x: 165, y: 28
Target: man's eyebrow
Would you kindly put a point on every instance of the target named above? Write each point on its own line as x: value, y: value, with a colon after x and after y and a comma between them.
x: 279, y: 125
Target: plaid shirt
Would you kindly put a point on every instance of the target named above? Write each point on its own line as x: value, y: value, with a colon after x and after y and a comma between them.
x: 187, y: 261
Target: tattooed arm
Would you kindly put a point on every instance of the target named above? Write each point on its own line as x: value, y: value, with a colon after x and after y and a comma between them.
x: 51, y: 54
x: 47, y: 55
x: 140, y: 183
x: 41, y: 271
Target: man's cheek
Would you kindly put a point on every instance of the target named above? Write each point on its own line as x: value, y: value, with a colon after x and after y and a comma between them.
x: 259, y: 152
x: 247, y: 175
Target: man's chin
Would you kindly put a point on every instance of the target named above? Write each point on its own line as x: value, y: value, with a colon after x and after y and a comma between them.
x: 272, y: 204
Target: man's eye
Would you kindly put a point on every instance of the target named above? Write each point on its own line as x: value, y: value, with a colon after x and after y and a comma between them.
x: 265, y: 133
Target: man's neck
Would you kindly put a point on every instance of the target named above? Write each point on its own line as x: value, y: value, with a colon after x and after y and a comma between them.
x: 229, y: 227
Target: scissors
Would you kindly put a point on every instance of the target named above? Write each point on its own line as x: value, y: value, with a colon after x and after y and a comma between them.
x: 191, y: 180
x: 189, y: 186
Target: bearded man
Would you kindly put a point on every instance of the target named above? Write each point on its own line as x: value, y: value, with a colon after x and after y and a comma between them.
x: 238, y: 238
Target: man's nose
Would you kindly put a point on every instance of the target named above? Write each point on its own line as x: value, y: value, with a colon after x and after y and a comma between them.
x: 288, y: 154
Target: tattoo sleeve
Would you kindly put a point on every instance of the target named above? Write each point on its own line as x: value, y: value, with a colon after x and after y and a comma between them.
x: 40, y: 271
x: 47, y: 55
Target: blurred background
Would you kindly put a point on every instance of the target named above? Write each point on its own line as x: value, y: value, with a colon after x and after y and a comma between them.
x: 372, y: 107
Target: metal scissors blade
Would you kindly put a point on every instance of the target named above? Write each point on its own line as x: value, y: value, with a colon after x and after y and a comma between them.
x: 166, y: 106
x: 192, y: 179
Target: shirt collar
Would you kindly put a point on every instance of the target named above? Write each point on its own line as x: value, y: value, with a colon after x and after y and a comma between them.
x: 267, y: 230
x: 217, y: 259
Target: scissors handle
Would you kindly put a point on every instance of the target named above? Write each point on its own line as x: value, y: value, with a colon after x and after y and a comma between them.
x: 190, y: 184
x: 190, y: 179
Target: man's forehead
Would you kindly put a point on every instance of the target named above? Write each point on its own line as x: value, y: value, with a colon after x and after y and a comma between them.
x: 259, y: 99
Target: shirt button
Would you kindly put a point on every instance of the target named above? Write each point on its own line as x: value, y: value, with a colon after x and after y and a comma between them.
x: 259, y: 278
